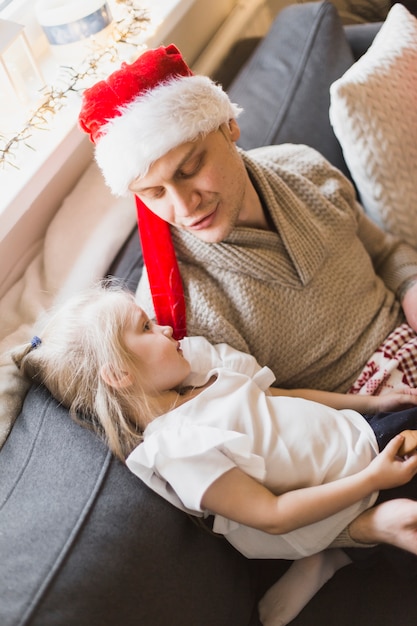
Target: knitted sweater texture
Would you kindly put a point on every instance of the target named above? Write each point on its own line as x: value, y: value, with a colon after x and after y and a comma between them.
x: 313, y: 299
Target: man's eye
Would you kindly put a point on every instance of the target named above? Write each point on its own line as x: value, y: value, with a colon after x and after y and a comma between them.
x: 190, y: 168
x: 153, y: 194
x: 157, y: 193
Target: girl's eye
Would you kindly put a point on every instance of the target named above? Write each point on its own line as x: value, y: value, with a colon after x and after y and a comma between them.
x: 147, y: 325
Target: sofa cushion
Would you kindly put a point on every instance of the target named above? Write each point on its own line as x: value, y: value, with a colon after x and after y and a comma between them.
x: 291, y: 69
x: 374, y: 115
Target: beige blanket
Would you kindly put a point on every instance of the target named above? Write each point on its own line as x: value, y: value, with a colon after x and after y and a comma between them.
x: 78, y: 247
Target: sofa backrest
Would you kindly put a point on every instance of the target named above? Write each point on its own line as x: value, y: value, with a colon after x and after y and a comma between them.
x: 284, y: 86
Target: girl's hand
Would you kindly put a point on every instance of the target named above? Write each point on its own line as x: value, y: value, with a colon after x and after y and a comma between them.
x: 389, y: 470
x: 396, y: 400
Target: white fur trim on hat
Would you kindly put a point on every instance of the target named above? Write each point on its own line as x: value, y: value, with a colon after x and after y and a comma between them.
x: 163, y: 118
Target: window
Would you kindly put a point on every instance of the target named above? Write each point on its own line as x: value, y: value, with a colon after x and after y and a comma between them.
x: 26, y: 138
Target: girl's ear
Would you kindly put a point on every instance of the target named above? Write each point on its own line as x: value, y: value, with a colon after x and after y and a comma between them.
x: 114, y: 377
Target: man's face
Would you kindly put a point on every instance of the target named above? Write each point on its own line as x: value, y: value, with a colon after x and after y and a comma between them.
x: 200, y: 186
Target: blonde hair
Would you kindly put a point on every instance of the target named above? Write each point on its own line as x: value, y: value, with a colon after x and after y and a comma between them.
x: 77, y: 340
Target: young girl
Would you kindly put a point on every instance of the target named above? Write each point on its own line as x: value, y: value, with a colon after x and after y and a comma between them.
x: 283, y: 472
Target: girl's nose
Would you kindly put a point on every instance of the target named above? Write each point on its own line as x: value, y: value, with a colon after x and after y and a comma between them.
x: 167, y: 330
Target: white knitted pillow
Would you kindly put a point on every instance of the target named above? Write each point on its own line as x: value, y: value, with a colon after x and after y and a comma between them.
x: 373, y: 112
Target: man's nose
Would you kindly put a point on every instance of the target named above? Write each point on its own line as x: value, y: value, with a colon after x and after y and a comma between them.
x: 185, y: 201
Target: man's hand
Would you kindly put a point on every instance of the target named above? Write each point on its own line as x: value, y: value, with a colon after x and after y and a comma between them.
x: 409, y: 445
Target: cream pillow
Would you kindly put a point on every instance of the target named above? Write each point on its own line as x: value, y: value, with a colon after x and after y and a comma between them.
x: 373, y: 112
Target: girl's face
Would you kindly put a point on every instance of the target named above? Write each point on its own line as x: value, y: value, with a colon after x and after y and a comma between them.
x: 160, y: 364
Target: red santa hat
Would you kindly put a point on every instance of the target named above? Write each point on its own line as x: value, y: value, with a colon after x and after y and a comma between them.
x: 147, y: 108
x: 135, y: 116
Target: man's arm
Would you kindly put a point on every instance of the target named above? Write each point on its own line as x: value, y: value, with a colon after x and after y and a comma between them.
x: 407, y: 294
x: 394, y: 261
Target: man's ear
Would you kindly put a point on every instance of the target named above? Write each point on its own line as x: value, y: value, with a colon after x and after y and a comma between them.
x: 114, y: 377
x: 234, y: 129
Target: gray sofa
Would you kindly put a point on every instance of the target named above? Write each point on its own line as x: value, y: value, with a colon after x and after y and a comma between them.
x: 82, y: 541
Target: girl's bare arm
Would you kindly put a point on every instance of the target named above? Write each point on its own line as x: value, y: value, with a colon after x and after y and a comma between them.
x: 238, y: 497
x: 363, y: 404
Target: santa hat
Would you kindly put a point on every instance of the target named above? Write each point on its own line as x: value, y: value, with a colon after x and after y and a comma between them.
x: 144, y: 110
x: 135, y: 116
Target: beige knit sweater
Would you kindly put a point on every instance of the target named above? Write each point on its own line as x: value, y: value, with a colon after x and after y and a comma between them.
x: 312, y: 300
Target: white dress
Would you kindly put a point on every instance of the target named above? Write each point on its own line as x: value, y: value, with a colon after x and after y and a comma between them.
x: 285, y: 443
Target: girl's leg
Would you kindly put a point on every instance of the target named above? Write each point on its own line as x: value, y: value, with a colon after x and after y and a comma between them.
x: 289, y: 595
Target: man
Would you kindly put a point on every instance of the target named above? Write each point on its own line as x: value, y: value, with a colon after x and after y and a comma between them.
x: 276, y: 257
